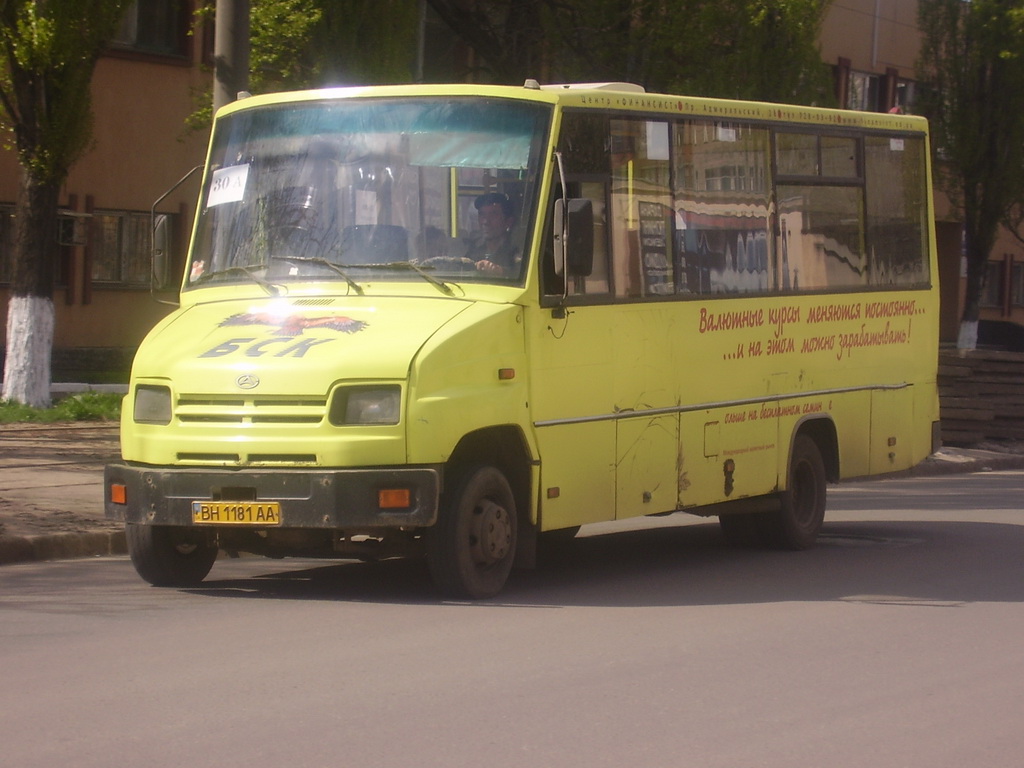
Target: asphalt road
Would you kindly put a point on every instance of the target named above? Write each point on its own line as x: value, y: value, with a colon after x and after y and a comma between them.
x: 895, y: 642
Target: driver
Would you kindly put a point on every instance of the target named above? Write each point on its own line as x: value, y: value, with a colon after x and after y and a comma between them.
x: 494, y: 251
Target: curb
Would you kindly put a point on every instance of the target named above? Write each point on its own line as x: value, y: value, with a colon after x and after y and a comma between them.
x: 933, y: 468
x: 61, y: 546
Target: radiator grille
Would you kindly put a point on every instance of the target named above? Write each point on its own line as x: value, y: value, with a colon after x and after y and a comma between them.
x: 215, y: 409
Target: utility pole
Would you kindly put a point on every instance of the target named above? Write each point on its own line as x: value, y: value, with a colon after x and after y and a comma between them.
x: 230, y: 51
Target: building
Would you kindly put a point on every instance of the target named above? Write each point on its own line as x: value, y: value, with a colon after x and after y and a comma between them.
x: 155, y: 75
x: 144, y: 87
x: 873, y: 46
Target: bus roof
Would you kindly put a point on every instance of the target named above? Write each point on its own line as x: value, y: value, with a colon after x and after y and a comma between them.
x: 610, y: 96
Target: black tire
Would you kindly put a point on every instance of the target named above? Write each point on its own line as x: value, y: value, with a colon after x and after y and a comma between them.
x: 471, y: 548
x: 170, y: 557
x: 797, y: 523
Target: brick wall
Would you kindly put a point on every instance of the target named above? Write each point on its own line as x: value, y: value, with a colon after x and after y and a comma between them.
x: 981, y: 396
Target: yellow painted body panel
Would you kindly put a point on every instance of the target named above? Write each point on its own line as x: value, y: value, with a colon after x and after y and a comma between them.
x: 455, y: 388
x: 577, y: 474
x: 299, y: 352
x: 646, y: 465
x: 741, y: 380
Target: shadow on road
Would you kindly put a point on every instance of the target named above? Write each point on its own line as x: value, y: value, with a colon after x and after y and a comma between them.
x: 926, y: 564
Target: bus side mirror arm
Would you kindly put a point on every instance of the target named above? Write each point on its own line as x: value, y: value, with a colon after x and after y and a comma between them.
x: 573, y: 230
x: 159, y: 228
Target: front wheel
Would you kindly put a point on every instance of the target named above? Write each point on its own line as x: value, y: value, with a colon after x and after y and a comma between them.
x: 471, y: 548
x: 170, y: 557
x: 797, y: 523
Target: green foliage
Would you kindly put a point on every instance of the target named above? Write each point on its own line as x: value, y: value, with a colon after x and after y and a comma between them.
x: 365, y: 43
x: 281, y: 58
x: 88, y: 406
x: 299, y: 44
x: 758, y: 49
x: 753, y: 49
x: 763, y: 49
x: 47, y: 55
x: 972, y: 63
x: 311, y: 43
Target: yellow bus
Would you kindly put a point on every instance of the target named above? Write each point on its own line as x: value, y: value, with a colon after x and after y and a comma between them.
x: 446, y: 321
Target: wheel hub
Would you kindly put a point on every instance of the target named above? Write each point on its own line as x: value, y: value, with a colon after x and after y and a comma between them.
x: 491, y: 535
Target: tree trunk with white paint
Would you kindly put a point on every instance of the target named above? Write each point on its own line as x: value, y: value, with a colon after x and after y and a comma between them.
x: 49, y: 51
x: 30, y: 313
x: 968, y: 338
x: 29, y: 342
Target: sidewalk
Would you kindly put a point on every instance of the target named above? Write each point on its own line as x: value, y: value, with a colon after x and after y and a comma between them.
x: 51, y: 491
x: 51, y: 487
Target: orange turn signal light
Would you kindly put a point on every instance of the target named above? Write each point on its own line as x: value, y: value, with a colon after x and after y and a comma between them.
x: 394, y: 498
x: 118, y: 493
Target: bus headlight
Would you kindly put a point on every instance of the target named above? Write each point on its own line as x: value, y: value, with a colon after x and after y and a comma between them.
x: 366, y: 405
x: 152, y: 404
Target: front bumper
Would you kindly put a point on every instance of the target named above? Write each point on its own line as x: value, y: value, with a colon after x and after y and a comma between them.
x: 326, y: 499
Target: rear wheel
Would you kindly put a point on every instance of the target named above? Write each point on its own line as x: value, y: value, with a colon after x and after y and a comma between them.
x: 471, y: 548
x: 797, y: 523
x: 170, y: 557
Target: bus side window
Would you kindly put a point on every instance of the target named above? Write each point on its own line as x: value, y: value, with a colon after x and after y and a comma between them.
x: 641, y: 209
x: 723, y: 206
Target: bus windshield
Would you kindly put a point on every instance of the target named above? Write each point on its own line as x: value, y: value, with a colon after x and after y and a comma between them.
x: 371, y: 189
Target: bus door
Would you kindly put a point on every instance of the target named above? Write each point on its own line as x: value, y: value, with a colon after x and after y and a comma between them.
x: 604, y: 392
x: 573, y: 371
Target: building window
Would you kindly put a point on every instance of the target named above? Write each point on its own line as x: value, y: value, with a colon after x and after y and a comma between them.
x: 992, y: 295
x: 65, y: 230
x: 120, y: 242
x: 863, y: 94
x: 1017, y: 285
x: 154, y: 26
x: 906, y: 96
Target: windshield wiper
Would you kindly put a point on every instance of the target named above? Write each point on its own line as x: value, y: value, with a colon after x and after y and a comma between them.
x: 272, y: 288
x: 442, y: 286
x: 330, y: 264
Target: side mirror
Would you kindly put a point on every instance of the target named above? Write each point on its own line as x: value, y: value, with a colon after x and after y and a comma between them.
x: 160, y: 229
x: 574, y: 237
x: 161, y: 250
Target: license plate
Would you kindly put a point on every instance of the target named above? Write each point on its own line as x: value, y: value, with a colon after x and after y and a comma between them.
x: 236, y: 513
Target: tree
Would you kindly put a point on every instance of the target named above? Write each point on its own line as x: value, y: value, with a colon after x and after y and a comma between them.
x: 507, y: 36
x: 972, y: 59
x: 49, y: 50
x: 365, y: 43
x: 314, y: 43
x: 759, y: 49
x: 763, y: 49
